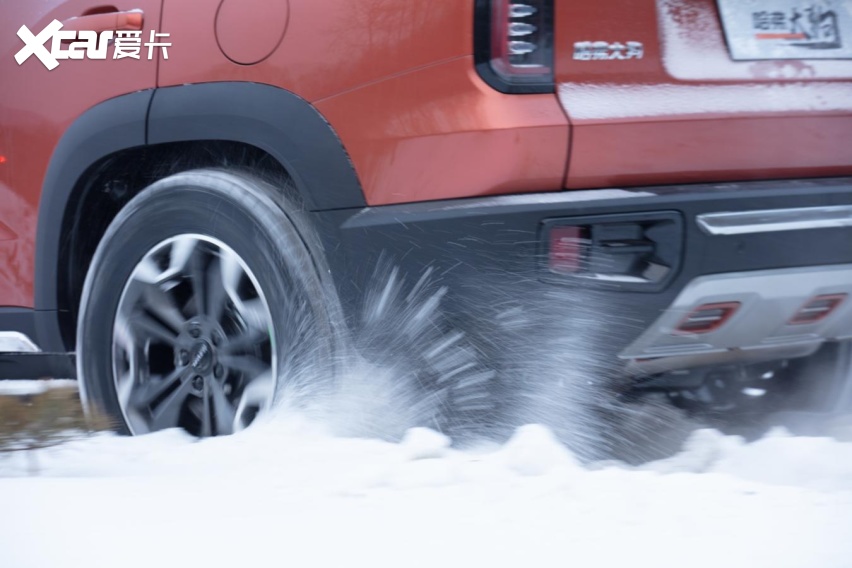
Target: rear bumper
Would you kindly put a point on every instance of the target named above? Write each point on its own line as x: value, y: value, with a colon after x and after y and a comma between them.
x: 487, y: 251
x: 779, y: 313
x: 721, y: 246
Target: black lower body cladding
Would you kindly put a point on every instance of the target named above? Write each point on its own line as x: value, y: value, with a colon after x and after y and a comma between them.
x: 492, y: 253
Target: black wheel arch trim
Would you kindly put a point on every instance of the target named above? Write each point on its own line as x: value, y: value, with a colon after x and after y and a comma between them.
x: 277, y: 121
x: 111, y: 126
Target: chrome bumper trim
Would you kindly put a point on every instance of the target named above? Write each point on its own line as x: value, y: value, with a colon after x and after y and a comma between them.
x: 16, y: 342
x: 771, y: 220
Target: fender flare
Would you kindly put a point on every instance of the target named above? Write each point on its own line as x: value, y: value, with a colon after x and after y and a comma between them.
x: 111, y: 126
x: 277, y: 121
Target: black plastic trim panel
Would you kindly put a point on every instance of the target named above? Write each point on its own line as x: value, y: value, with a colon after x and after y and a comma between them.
x: 114, y: 125
x: 477, y: 245
x: 665, y: 248
x: 22, y: 320
x: 286, y: 126
x: 23, y: 366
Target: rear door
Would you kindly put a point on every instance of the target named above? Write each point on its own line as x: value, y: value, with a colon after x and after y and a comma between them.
x: 39, y: 100
x: 658, y: 93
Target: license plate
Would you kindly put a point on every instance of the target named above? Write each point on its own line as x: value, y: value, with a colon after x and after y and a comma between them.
x: 787, y: 29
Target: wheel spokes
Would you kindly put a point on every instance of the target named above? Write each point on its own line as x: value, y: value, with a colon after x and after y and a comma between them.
x: 167, y: 413
x: 223, y: 411
x: 182, y: 250
x: 253, y: 315
x: 206, y: 413
x: 150, y: 328
x: 223, y: 279
x: 248, y: 364
x: 246, y: 340
x: 163, y: 306
x: 198, y: 276
x: 192, y: 325
x: 147, y: 394
x: 256, y: 395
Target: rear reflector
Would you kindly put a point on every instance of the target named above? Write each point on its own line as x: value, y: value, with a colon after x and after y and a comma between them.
x: 817, y: 308
x: 707, y: 317
x: 567, y: 245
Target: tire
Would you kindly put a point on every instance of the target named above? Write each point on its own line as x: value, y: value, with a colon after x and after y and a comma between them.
x: 206, y: 299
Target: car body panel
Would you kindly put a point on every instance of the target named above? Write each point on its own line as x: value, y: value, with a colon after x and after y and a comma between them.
x: 394, y: 94
x: 442, y: 133
x: 330, y: 46
x: 686, y: 112
x: 37, y: 106
x: 397, y: 83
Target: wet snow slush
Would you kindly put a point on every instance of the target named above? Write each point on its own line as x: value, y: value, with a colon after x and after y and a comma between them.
x: 528, y: 473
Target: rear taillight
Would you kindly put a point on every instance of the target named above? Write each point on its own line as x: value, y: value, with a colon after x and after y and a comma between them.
x: 514, y: 44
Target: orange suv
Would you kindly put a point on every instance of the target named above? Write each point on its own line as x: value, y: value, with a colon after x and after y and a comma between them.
x: 194, y: 196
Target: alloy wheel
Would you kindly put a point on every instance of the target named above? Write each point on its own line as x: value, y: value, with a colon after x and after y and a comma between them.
x: 193, y: 344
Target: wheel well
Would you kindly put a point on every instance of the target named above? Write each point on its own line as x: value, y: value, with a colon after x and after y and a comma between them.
x: 109, y: 184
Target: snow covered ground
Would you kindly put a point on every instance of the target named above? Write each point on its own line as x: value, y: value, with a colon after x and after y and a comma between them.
x: 286, y: 493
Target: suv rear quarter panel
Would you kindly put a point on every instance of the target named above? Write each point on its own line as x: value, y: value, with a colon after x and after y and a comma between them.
x: 329, y: 46
x: 442, y: 133
x: 36, y: 108
x: 396, y: 80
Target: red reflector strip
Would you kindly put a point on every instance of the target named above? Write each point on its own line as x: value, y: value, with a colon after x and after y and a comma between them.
x: 817, y: 309
x: 707, y: 317
x: 566, y: 249
x: 780, y: 36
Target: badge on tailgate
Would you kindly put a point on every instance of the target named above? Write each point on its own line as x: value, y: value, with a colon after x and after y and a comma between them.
x: 788, y: 29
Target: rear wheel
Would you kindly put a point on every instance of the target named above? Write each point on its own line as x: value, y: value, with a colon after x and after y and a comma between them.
x: 204, y: 300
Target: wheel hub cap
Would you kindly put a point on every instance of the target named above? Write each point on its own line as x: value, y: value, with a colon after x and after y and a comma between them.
x: 202, y: 357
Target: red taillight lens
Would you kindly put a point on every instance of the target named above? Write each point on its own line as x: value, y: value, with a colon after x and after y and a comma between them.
x: 817, y: 309
x: 567, y: 249
x: 514, y: 51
